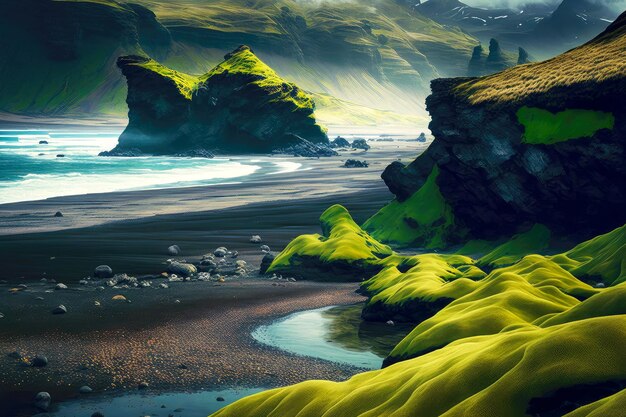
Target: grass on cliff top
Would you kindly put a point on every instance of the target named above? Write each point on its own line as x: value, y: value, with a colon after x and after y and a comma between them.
x: 244, y: 62
x: 599, y: 60
x: 184, y: 82
x: 424, y: 219
x: 494, y: 375
x: 342, y: 240
x: 544, y: 127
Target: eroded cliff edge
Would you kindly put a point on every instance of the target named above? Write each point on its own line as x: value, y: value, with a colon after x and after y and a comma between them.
x: 240, y: 106
x: 538, y: 143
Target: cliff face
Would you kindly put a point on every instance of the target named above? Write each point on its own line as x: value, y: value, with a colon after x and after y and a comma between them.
x: 540, y: 143
x: 240, y: 106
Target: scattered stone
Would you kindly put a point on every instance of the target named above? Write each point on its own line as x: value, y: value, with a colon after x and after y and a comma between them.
x: 15, y: 355
x: 85, y: 389
x: 60, y: 286
x: 43, y: 142
x: 360, y: 144
x: 44, y: 280
x: 390, y: 323
x: 57, y: 214
x: 164, y: 286
x: 143, y: 385
x: 255, y: 239
x: 42, y: 400
x: 100, y: 288
x: 61, y: 155
x: 422, y: 137
x: 39, y: 298
x: 182, y: 269
x: 266, y: 262
x: 61, y: 309
x: 241, y: 264
x: 353, y: 163
x: 1, y: 315
x: 265, y: 248
x: 220, y: 399
x: 220, y: 252
x: 119, y: 297
x: 182, y: 366
x: 39, y: 361
x: 97, y: 414
x: 176, y: 301
x: 221, y: 279
x: 600, y: 285
x: 22, y: 286
x: 292, y: 279
x: 103, y: 272
x: 174, y: 250
x: 339, y: 142
x: 83, y: 282
x: 234, y: 254
x: 97, y: 303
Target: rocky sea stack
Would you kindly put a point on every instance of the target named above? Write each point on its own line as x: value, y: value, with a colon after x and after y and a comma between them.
x: 240, y: 106
x: 539, y: 143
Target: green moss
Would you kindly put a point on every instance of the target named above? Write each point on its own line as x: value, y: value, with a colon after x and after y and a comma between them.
x: 424, y: 219
x: 243, y: 62
x: 533, y: 241
x: 184, y: 82
x: 601, y: 259
x: 544, y: 127
x: 494, y: 375
x: 342, y: 245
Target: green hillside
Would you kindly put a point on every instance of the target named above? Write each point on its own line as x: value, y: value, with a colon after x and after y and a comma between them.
x: 58, y: 57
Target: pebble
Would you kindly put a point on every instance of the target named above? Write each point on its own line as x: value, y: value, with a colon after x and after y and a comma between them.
x: 118, y: 297
x: 97, y: 303
x: 60, y: 286
x: 265, y: 248
x: 58, y: 214
x: 390, y: 323
x: 42, y: 400
x: 85, y: 389
x: 39, y: 361
x: 174, y: 250
x: 255, y: 239
x: 39, y: 298
x: 142, y: 385
x: 164, y: 285
x: 220, y: 252
x: 61, y: 309
x: 176, y: 301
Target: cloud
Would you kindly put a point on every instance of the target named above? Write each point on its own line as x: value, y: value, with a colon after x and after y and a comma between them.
x: 618, y: 5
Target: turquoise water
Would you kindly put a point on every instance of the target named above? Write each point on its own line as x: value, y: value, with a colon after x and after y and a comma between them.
x: 335, y: 334
x: 32, y: 171
x: 186, y: 404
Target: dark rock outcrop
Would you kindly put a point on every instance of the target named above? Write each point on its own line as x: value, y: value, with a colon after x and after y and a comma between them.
x: 496, y: 180
x: 240, y: 106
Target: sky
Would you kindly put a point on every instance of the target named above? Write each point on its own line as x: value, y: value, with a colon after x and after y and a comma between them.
x: 619, y: 5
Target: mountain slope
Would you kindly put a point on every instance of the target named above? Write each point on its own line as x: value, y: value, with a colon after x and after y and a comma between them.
x: 58, y: 57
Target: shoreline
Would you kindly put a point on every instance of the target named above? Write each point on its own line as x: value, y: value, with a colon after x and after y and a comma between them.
x: 115, y: 346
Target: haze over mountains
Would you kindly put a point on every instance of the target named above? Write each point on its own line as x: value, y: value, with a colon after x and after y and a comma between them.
x: 58, y: 57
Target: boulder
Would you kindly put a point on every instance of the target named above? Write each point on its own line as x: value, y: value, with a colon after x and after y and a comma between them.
x: 255, y: 239
x: 103, y: 272
x: 42, y: 400
x: 266, y: 262
x: 339, y: 142
x: 58, y: 214
x: 39, y: 361
x: 354, y: 163
x: 182, y: 269
x: 60, y: 286
x: 265, y: 248
x: 360, y: 144
x: 220, y: 252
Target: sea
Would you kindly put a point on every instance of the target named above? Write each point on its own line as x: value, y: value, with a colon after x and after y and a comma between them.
x: 39, y: 164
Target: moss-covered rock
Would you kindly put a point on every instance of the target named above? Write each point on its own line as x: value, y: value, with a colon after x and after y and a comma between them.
x: 424, y: 219
x: 240, y: 106
x: 342, y: 252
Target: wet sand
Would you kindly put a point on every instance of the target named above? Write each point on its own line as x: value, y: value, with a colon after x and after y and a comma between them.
x: 118, y: 345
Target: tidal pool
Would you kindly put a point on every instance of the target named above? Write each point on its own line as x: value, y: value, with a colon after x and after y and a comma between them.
x: 183, y: 404
x: 335, y: 334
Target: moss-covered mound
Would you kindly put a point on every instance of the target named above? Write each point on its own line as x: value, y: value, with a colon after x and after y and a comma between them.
x: 240, y: 106
x: 496, y: 375
x: 530, y: 339
x: 342, y: 252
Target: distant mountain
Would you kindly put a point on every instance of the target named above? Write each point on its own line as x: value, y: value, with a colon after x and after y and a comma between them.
x: 57, y: 57
x: 544, y: 29
x: 575, y: 22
